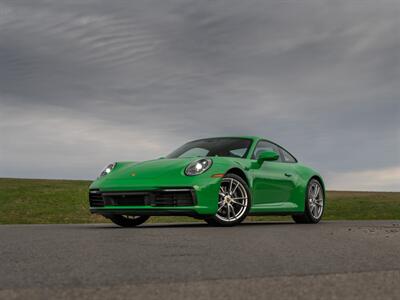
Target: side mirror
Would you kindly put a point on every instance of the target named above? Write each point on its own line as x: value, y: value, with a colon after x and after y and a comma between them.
x: 267, y: 156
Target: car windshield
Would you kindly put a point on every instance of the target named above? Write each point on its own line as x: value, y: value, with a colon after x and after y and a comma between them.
x: 227, y: 147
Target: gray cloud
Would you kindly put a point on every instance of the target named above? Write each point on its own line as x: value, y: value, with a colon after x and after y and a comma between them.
x: 87, y: 82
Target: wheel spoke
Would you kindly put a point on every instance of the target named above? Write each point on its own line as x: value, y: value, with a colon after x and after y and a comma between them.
x: 239, y: 198
x: 232, y: 210
x: 312, y: 209
x: 316, y: 211
x: 233, y: 191
x: 230, y: 186
x: 316, y: 191
x: 238, y: 203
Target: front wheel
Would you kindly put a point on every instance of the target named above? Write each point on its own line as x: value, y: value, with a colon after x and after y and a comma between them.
x: 314, y: 204
x: 233, y: 202
x: 127, y: 220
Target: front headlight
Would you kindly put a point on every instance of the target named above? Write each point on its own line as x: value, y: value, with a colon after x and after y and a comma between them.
x: 198, y: 166
x: 107, y: 169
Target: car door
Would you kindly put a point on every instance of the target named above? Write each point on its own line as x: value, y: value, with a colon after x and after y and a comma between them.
x: 272, y: 183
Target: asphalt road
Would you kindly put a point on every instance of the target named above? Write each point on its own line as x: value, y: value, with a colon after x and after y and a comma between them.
x: 331, y: 260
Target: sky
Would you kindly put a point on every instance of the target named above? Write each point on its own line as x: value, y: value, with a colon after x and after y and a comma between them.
x: 84, y: 83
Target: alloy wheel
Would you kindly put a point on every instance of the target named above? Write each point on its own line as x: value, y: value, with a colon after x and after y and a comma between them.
x: 315, y: 200
x: 233, y: 200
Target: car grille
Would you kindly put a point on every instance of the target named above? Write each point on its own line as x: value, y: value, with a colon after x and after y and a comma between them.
x: 165, y: 197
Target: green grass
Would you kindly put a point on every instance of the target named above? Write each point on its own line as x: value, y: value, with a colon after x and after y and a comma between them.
x: 39, y: 201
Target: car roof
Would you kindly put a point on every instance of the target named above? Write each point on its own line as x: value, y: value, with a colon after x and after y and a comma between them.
x: 250, y: 137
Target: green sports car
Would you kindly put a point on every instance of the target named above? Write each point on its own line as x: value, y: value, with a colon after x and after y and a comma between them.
x: 220, y: 180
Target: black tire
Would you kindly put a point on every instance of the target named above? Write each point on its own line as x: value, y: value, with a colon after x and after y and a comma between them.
x: 216, y: 220
x: 128, y: 221
x: 308, y: 216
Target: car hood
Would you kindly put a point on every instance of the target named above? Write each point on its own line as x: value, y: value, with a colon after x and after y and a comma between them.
x: 151, y: 168
x: 161, y: 172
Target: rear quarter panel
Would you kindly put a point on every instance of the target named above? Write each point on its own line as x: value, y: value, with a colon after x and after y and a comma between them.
x: 304, y: 175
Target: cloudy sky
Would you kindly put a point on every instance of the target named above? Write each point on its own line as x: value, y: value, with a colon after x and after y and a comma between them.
x: 87, y: 82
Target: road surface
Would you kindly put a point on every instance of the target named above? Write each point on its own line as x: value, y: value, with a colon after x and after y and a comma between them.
x: 330, y: 260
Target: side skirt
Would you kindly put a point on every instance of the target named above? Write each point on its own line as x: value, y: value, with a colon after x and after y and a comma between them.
x: 278, y: 213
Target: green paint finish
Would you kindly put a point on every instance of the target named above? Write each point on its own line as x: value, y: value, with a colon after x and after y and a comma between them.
x: 276, y: 186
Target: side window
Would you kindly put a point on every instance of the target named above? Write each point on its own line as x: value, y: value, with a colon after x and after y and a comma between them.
x: 265, y: 146
x: 287, y: 157
x: 238, y: 152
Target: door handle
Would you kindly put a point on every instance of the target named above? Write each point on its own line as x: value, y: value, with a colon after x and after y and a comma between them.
x: 288, y: 175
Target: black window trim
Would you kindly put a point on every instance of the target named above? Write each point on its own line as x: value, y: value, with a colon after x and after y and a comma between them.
x: 280, y: 148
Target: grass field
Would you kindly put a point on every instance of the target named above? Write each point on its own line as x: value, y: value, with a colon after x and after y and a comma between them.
x: 38, y: 201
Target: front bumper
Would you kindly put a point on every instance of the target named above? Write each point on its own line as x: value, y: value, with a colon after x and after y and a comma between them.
x: 195, y: 200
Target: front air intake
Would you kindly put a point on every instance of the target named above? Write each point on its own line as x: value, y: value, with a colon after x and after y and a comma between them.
x: 154, y: 198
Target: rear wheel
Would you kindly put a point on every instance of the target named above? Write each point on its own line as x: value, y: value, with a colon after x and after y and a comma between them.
x: 127, y: 220
x: 314, y: 204
x: 233, y: 202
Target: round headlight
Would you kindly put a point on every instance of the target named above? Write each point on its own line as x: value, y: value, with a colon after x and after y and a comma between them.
x: 198, y: 166
x: 107, y: 169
